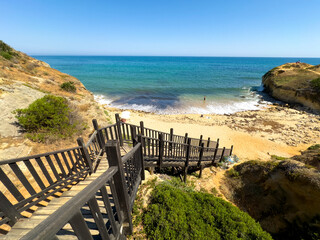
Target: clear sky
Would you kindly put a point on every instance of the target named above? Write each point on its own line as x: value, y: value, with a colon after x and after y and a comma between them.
x: 269, y: 28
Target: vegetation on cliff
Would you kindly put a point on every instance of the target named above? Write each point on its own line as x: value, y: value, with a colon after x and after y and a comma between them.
x: 177, y: 211
x: 6, y: 51
x: 47, y: 117
x: 294, y: 83
x: 283, y: 195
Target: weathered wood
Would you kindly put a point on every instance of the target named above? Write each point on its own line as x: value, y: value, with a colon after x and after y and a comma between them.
x: 8, y: 209
x: 222, y: 154
x: 231, y: 150
x: 187, y: 160
x: 85, y: 154
x: 133, y: 136
x: 161, y: 150
x: 118, y: 124
x: 35, y: 174
x: 142, y: 128
x: 80, y: 227
x: 200, y: 140
x: 98, y: 218
x: 200, y: 159
x: 186, y: 138
x: 15, y: 168
x: 108, y: 207
x: 99, y: 133
x: 141, y: 159
x: 114, y: 159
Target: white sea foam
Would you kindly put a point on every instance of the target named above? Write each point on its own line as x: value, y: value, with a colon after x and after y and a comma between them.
x: 250, y: 102
x: 102, y: 99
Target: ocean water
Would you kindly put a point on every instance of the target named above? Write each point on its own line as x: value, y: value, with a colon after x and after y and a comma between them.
x: 171, y: 85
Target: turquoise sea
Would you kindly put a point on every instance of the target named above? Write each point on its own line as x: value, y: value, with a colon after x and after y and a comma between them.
x: 170, y: 85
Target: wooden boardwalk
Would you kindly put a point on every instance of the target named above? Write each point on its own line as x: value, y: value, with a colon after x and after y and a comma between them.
x: 87, y: 192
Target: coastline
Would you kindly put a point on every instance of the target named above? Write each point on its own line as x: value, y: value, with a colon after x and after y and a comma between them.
x: 255, y: 134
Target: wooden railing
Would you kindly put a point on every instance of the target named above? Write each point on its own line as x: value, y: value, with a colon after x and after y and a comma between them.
x: 116, y: 187
x: 29, y: 181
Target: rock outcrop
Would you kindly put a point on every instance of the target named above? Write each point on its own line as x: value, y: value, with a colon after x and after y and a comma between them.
x: 294, y: 83
x: 283, y: 195
x: 23, y: 80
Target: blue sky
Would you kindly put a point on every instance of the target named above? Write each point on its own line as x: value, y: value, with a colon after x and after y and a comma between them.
x: 269, y: 28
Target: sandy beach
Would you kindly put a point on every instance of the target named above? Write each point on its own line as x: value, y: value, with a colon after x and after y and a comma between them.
x: 276, y: 130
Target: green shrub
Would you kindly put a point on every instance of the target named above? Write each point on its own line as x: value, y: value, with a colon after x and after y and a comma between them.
x: 315, y: 84
x: 68, y: 86
x: 232, y: 173
x: 276, y: 157
x: 46, y: 116
x: 6, y: 51
x: 6, y: 55
x: 314, y: 147
x: 175, y: 213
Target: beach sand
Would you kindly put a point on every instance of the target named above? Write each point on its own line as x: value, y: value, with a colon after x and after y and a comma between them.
x: 276, y: 130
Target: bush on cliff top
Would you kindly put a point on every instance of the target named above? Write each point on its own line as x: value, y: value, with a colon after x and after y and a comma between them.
x: 315, y: 84
x: 46, y: 116
x: 68, y: 86
x: 178, y: 213
x: 6, y: 51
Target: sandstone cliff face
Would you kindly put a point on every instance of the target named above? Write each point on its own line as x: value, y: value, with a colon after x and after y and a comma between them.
x: 24, y: 79
x: 291, y: 83
x: 282, y: 195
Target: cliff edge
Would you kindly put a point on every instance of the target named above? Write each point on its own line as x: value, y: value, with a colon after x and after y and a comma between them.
x: 23, y: 80
x: 297, y: 83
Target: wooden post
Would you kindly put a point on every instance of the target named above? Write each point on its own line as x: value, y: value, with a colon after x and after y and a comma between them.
x: 133, y: 135
x: 200, y: 159
x: 114, y: 159
x: 186, y: 166
x: 231, y: 150
x: 161, y: 149
x: 118, y: 123
x: 208, y: 144
x: 171, y: 139
x: 215, y: 152
x: 85, y: 154
x: 222, y: 154
x: 9, y: 210
x: 140, y: 140
x: 200, y: 141
x: 186, y: 138
x: 80, y: 227
x: 99, y: 133
x: 141, y: 128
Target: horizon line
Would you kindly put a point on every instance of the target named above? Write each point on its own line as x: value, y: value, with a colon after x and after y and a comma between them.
x: 89, y: 55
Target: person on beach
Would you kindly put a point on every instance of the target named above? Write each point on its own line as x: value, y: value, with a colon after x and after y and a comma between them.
x: 204, y: 99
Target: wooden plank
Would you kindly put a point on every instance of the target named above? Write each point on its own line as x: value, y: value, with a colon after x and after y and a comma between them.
x: 60, y: 165
x: 161, y: 150
x: 53, y: 168
x: 8, y: 209
x: 108, y: 207
x: 15, y: 168
x: 80, y: 227
x: 98, y: 218
x: 114, y: 158
x: 35, y: 174
x: 44, y: 170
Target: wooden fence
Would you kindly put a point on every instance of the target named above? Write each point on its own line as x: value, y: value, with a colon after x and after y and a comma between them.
x: 28, y: 181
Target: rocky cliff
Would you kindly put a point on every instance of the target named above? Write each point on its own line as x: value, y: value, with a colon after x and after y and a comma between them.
x: 297, y: 83
x: 24, y: 79
x: 283, y: 195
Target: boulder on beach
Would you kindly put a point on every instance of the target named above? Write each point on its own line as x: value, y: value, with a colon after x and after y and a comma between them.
x: 296, y: 83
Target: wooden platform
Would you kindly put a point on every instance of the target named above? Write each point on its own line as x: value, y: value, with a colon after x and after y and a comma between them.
x: 24, y: 225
